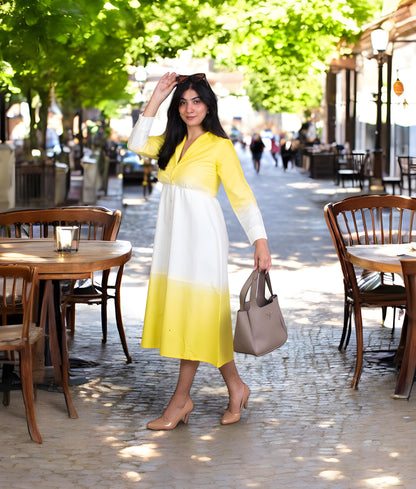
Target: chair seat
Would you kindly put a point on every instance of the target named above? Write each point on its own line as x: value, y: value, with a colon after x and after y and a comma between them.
x: 89, y: 290
x: 393, y: 181
x: 12, y: 335
x: 388, y: 179
x: 384, y: 293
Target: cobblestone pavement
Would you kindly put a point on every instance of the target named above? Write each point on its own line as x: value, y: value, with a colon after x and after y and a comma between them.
x: 304, y: 426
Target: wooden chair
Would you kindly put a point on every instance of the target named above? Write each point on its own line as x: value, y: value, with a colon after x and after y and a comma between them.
x: 18, y: 285
x: 95, y: 223
x: 407, y: 165
x: 353, y: 169
x: 362, y: 220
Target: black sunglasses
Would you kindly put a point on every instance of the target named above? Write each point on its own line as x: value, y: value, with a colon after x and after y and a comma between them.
x: 197, y: 77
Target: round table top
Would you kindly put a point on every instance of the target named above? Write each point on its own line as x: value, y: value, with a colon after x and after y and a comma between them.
x: 381, y: 258
x: 92, y: 256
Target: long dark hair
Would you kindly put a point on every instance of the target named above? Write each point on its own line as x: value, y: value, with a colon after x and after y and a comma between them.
x: 176, y: 127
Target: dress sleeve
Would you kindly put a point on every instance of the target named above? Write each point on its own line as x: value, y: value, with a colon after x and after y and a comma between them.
x: 141, y: 143
x: 239, y: 192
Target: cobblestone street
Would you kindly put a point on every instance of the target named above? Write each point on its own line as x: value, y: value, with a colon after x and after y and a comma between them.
x: 304, y: 426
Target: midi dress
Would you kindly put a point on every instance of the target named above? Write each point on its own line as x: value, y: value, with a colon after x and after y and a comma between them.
x: 188, y: 312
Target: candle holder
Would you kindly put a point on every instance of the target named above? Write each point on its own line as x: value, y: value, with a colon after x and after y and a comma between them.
x: 67, y: 239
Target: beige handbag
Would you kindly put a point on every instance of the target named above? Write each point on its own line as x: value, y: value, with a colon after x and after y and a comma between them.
x: 260, y: 326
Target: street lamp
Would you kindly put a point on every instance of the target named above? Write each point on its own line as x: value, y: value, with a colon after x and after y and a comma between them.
x: 141, y: 77
x: 379, y: 41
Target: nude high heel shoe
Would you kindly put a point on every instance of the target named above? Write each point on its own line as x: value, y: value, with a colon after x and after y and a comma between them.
x: 163, y: 424
x: 229, y: 417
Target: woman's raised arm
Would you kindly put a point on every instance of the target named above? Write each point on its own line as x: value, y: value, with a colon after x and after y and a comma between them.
x: 163, y: 89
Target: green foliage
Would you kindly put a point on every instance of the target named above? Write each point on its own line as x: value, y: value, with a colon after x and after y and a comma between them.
x: 82, y: 48
x: 284, y: 46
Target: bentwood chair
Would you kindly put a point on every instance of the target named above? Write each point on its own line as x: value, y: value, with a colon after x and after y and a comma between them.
x: 353, y: 169
x: 18, y: 334
x: 363, y: 220
x: 96, y: 223
x: 407, y: 165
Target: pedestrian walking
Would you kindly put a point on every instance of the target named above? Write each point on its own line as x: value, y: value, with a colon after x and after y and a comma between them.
x: 287, y: 152
x: 188, y: 307
x: 257, y: 148
x: 275, y: 148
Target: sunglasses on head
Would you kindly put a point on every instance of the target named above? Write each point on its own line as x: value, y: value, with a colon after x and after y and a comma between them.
x: 197, y: 77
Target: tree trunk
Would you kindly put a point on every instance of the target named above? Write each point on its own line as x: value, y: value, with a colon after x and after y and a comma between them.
x: 32, y: 131
x: 2, y: 117
x: 45, y: 99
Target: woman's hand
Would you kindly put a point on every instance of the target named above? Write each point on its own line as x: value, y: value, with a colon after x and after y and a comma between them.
x: 262, y: 258
x: 162, y: 91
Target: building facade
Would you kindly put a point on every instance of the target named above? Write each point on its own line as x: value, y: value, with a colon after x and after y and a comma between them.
x: 354, y: 86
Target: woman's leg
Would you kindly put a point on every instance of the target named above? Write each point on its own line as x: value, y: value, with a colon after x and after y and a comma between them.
x: 235, y: 386
x: 181, y: 395
x: 180, y: 405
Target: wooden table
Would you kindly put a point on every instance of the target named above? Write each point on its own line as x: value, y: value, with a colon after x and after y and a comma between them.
x: 92, y: 256
x: 386, y: 258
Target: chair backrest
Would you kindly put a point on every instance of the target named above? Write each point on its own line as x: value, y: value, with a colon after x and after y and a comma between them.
x: 375, y: 219
x: 348, y: 272
x: 407, y: 164
x: 17, y: 285
x: 355, y: 161
x: 95, y: 222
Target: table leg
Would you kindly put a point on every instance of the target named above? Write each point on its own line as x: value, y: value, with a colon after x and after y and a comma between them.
x: 57, y: 341
x: 119, y: 319
x: 47, y: 320
x: 407, y: 370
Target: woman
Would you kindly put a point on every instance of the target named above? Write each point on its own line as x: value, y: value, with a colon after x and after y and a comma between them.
x: 188, y: 307
x: 257, y: 148
x: 287, y: 152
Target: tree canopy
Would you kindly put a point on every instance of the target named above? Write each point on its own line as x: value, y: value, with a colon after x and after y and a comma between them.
x: 284, y: 46
x: 83, y: 48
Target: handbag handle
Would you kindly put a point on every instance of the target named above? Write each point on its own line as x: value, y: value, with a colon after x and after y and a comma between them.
x: 262, y: 278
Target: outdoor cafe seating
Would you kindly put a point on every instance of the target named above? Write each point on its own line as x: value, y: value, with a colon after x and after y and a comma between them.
x: 407, y: 165
x: 361, y: 221
x: 96, y: 223
x: 353, y: 168
x: 31, y: 256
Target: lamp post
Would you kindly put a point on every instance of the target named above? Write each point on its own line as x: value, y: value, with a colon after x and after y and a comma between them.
x: 379, y: 41
x: 141, y: 77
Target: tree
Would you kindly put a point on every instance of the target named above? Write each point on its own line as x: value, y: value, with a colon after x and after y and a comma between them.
x: 284, y: 46
x: 83, y: 48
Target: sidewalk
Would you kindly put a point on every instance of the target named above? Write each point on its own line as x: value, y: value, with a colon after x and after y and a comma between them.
x: 304, y: 426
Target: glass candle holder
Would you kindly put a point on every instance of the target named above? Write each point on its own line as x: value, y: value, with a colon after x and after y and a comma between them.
x: 66, y: 239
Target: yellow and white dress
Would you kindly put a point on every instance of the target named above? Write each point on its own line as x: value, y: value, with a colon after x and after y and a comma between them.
x: 188, y: 307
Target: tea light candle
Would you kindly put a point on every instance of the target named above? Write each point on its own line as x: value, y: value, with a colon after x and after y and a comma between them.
x: 66, y: 238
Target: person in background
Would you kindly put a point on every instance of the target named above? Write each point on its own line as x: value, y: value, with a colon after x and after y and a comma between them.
x: 287, y: 152
x: 188, y: 306
x: 257, y: 148
x: 275, y: 148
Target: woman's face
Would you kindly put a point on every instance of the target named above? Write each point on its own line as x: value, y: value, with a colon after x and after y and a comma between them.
x: 192, y: 109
